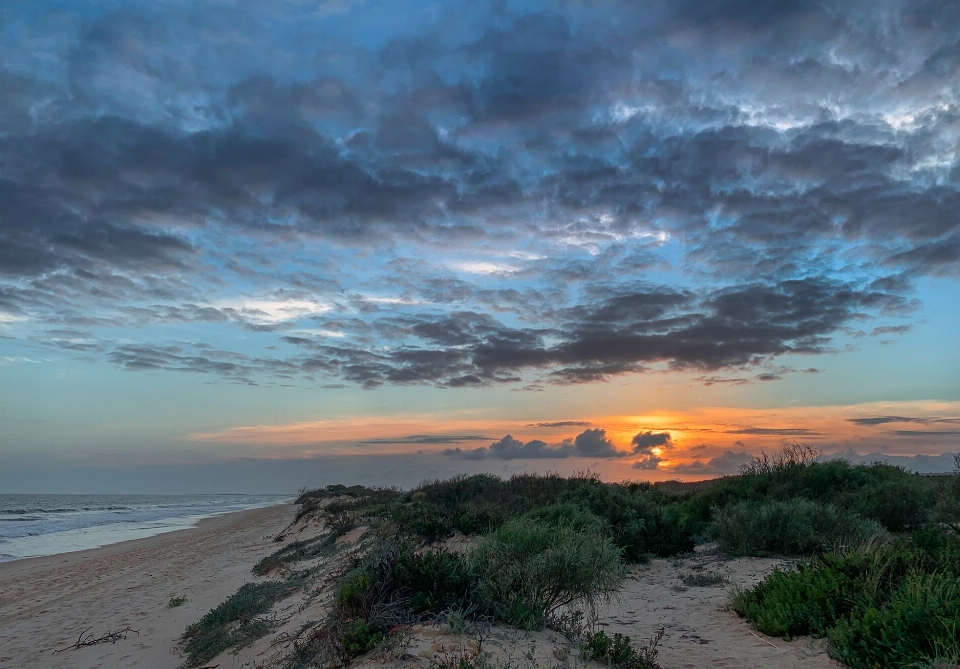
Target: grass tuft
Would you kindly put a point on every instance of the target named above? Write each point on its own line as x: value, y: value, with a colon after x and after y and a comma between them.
x: 235, y: 622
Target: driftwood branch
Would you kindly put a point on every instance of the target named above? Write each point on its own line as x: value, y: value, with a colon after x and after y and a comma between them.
x: 86, y: 639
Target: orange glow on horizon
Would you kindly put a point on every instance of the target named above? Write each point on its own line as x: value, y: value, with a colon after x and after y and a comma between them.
x: 696, y: 436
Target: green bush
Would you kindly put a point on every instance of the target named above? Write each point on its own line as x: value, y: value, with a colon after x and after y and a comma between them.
x: 893, y: 497
x: 792, y: 527
x: 919, y: 622
x: 790, y: 604
x: 894, y: 605
x: 639, y: 525
x: 357, y: 639
x: 898, y: 505
x: 527, y: 569
x: 436, y: 581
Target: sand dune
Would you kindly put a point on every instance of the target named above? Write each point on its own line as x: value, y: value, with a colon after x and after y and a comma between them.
x: 46, y: 602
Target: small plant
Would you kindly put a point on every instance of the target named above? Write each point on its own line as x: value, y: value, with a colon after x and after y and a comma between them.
x: 176, y: 601
x: 357, y: 639
x: 617, y: 651
x: 703, y: 579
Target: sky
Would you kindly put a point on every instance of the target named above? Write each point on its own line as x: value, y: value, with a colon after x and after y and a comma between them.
x: 253, y: 246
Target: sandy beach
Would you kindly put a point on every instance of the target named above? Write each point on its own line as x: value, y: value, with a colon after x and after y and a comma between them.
x: 45, y: 603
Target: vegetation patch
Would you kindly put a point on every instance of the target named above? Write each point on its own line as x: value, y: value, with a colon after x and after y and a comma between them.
x: 895, y: 605
x: 790, y: 527
x: 176, y: 601
x: 235, y: 622
x: 617, y: 651
x: 878, y: 575
x: 322, y: 546
x: 527, y: 569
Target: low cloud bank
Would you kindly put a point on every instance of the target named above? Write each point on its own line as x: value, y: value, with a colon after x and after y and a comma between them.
x: 591, y: 443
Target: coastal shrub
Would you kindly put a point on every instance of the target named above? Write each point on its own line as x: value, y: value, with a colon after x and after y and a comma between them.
x: 322, y: 546
x: 920, y: 621
x: 358, y: 638
x: 639, y: 526
x: 888, y: 605
x: 897, y: 504
x: 436, y: 581
x: 792, y: 527
x: 897, y: 499
x: 235, y: 622
x: 528, y: 569
x: 569, y: 515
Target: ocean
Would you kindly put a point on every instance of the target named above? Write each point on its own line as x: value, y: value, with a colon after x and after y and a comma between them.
x: 37, y: 525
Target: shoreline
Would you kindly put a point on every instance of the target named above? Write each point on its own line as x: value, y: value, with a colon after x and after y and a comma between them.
x: 135, y: 529
x: 201, y: 522
x: 47, y: 601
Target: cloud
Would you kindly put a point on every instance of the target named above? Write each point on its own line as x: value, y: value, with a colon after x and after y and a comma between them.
x: 428, y: 439
x: 510, y: 448
x: 591, y: 443
x: 774, y: 431
x: 562, y: 423
x: 883, y: 420
x: 648, y: 463
x: 926, y: 433
x: 889, y: 329
x: 644, y: 442
x: 594, y: 443
x: 729, y: 462
x: 933, y: 464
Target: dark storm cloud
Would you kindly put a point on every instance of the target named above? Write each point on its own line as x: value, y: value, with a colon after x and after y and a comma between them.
x: 150, y: 158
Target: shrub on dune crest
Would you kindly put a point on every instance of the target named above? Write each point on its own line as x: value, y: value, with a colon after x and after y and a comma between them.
x: 792, y: 527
